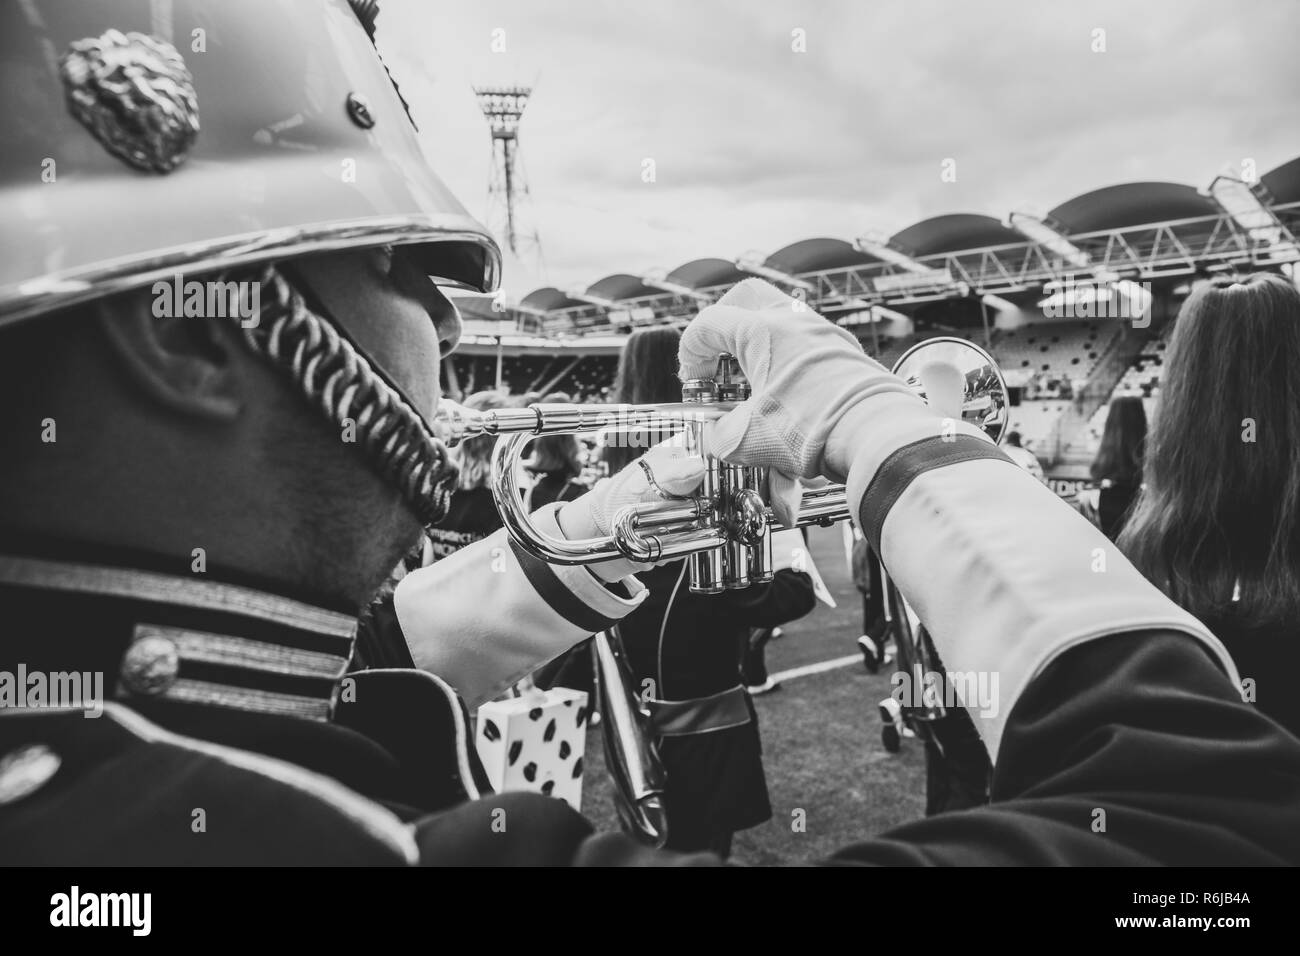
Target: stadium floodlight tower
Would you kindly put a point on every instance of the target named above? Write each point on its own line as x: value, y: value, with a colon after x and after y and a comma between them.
x: 503, y: 107
x: 1242, y: 202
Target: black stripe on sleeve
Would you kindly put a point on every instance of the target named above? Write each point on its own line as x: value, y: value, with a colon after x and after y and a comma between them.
x: 556, y: 594
x: 903, y: 466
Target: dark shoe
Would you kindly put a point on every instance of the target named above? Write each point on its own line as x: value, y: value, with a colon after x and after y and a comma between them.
x: 871, y: 654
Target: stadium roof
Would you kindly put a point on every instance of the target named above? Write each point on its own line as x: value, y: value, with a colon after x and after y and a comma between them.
x: 1283, y: 183
x: 813, y: 255
x: 953, y: 233
x: 548, y: 299
x: 620, y: 286
x: 702, y: 273
x: 1131, y: 204
x: 1144, y: 229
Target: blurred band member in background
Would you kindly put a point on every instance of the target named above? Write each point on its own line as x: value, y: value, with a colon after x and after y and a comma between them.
x: 647, y: 373
x: 875, y: 628
x: 472, y: 514
x: 753, y: 660
x: 1022, y: 456
x: 685, y: 649
x: 555, y: 463
x: 1118, y: 465
x: 1217, y: 525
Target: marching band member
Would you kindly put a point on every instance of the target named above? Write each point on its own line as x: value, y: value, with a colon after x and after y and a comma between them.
x: 685, y: 650
x: 1117, y: 469
x: 197, y: 505
x: 1118, y: 734
x: 471, y: 514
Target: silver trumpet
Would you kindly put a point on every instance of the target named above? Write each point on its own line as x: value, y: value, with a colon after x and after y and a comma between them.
x: 725, y: 529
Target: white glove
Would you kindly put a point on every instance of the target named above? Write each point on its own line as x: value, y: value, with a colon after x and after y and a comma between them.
x: 592, y: 515
x: 945, y: 388
x: 809, y: 378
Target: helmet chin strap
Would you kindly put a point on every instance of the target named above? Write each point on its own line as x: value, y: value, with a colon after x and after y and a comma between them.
x: 338, y: 379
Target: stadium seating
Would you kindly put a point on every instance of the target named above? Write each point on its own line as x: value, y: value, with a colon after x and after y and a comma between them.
x: 1058, y: 355
x: 1141, y: 378
x: 1066, y: 348
x: 1036, y: 421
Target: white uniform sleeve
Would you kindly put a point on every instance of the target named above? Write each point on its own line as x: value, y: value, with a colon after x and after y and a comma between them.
x: 1004, y: 575
x: 490, y: 613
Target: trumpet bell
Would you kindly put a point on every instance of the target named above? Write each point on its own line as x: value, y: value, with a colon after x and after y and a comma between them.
x: 961, y: 379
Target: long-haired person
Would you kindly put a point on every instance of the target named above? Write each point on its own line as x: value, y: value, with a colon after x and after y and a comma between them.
x: 555, y: 463
x: 1118, y: 465
x: 1217, y: 525
x: 688, y: 647
x: 647, y: 374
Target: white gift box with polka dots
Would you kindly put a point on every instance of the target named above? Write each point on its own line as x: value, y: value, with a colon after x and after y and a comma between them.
x: 535, y: 742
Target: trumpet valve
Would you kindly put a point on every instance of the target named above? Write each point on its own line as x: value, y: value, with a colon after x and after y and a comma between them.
x: 746, y: 519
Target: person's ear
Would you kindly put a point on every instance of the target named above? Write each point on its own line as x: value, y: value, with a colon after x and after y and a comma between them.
x: 191, y: 365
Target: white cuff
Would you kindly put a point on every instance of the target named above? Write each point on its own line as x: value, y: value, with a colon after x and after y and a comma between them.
x: 1006, y: 578
x: 489, y: 614
x: 581, y: 582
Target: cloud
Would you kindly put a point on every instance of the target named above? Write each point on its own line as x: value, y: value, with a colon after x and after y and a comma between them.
x: 756, y: 145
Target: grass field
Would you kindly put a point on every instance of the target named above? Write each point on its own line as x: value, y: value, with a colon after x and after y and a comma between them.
x: 821, y: 739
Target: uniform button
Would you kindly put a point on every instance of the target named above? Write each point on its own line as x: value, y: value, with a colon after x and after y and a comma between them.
x: 359, y: 110
x: 26, y: 770
x: 150, y: 666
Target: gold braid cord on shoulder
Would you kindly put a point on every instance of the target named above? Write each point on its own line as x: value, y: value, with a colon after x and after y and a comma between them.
x: 340, y: 381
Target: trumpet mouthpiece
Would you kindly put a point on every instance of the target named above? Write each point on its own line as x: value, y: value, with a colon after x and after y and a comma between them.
x: 453, y: 423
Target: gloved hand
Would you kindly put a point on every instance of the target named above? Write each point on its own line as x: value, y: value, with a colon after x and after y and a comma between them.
x: 816, y: 396
x: 592, y: 515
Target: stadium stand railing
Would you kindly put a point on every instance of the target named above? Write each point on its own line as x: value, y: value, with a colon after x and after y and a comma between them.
x: 1141, y: 378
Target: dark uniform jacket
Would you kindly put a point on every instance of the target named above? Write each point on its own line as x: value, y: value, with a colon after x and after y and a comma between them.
x: 471, y: 516
x: 293, y: 790
x: 234, y: 732
x: 552, y: 486
x: 688, y: 647
x: 1267, y: 657
x: 1113, y: 504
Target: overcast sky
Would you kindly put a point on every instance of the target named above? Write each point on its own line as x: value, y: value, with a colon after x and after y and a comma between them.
x: 756, y: 145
